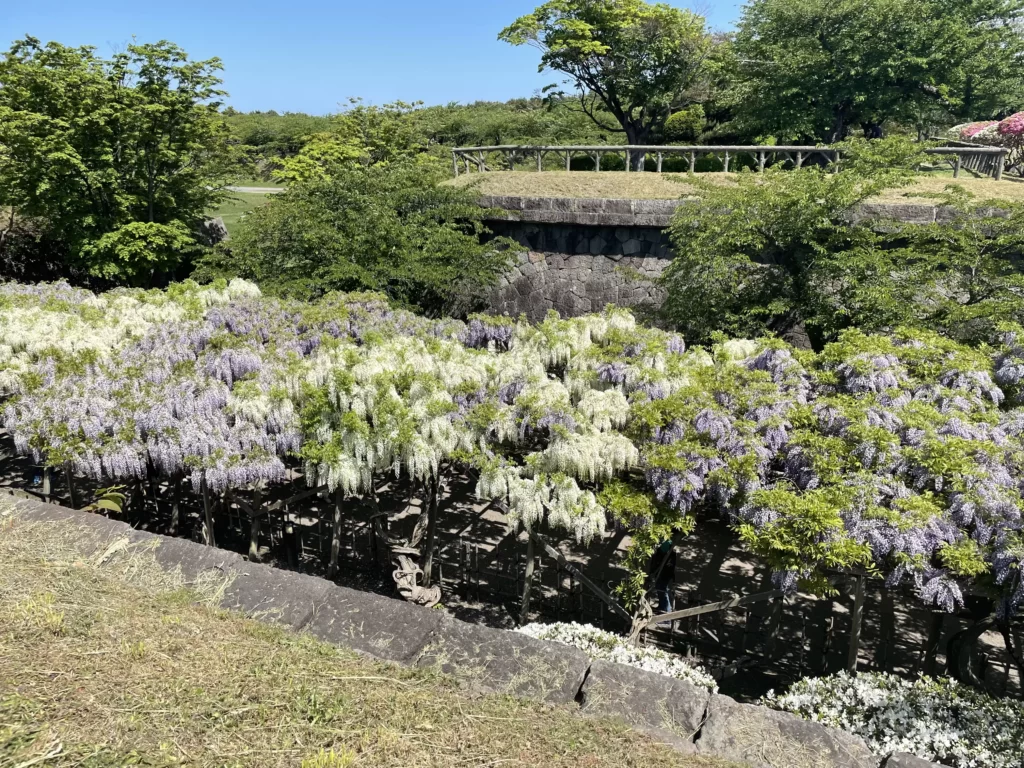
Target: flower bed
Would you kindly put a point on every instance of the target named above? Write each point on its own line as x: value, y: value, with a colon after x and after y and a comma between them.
x: 598, y: 644
x: 936, y: 719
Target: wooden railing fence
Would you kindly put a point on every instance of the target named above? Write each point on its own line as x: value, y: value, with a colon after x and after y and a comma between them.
x: 985, y: 161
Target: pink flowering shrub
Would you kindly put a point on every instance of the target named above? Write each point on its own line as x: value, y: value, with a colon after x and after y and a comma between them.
x: 969, y: 131
x: 1013, y: 126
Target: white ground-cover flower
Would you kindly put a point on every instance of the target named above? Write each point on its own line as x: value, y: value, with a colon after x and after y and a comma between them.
x: 598, y: 644
x: 936, y: 719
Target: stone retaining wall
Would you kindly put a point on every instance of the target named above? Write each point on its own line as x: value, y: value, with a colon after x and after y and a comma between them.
x: 481, y: 659
x: 581, y: 254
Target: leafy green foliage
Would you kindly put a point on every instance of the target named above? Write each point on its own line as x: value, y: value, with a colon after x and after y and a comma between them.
x: 817, y: 69
x: 685, y: 125
x: 113, y: 158
x: 779, y: 253
x: 640, y: 61
x: 390, y: 228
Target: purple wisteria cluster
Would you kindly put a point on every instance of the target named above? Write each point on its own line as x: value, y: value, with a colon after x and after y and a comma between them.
x: 890, y: 452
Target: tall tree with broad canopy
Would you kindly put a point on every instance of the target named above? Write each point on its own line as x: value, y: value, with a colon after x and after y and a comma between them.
x: 117, y: 159
x: 639, y: 62
x: 815, y: 70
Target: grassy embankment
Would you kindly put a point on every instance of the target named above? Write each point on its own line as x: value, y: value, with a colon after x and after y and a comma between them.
x: 666, y: 186
x: 112, y: 662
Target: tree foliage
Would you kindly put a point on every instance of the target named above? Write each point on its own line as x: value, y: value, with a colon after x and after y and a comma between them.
x: 780, y: 252
x: 390, y: 227
x: 116, y: 158
x: 640, y: 61
x: 818, y: 69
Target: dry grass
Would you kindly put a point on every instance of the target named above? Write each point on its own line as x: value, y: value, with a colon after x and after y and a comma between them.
x: 666, y: 186
x: 112, y: 662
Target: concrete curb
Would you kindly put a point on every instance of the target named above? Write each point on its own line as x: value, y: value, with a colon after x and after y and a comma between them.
x: 481, y: 659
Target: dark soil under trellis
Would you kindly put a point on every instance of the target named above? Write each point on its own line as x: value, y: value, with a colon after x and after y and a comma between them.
x: 480, y: 567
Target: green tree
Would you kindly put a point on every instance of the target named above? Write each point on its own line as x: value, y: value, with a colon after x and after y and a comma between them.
x: 780, y: 253
x: 637, y: 61
x: 818, y: 69
x: 117, y: 159
x: 391, y: 227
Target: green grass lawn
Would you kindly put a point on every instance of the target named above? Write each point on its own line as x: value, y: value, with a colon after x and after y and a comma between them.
x: 112, y: 662
x: 663, y: 186
x: 236, y: 206
x: 260, y: 183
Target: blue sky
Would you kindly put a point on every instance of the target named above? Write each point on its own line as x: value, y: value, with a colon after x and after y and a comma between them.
x: 311, y: 55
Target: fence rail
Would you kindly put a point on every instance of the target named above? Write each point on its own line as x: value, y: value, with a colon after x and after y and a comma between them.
x: 987, y: 161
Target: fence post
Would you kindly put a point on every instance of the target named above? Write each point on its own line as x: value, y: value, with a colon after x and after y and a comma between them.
x: 725, y: 162
x: 1000, y: 166
x: 71, y: 485
x: 956, y: 166
x: 799, y: 159
x: 693, y: 162
x: 761, y: 161
x: 568, y: 157
x: 455, y: 164
x: 332, y: 567
x: 540, y: 160
x: 254, y: 525
x: 211, y: 539
x: 659, y: 161
x: 628, y: 158
x: 856, y: 619
x: 531, y: 560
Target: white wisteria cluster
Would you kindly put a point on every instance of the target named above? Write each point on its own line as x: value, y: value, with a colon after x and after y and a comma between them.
x: 935, y: 719
x: 598, y: 644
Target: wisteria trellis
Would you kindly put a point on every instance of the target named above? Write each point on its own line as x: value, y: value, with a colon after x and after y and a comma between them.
x: 898, y: 454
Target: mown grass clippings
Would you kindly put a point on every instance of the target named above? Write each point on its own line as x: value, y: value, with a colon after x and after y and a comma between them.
x: 138, y: 671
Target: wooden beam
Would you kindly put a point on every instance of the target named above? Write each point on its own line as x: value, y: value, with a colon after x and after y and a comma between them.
x: 723, y: 605
x: 608, y: 600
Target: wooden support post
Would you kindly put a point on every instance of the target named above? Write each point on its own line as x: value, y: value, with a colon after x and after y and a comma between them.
x: 856, y: 620
x: 597, y: 161
x: 175, y: 506
x: 799, y: 159
x: 628, y: 158
x: 531, y: 561
x: 568, y: 161
x: 761, y: 160
x: 332, y: 568
x: 1000, y: 166
x: 255, y: 516
x: 660, y: 157
x: 932, y: 644
x: 209, y: 538
x: 725, y: 162
x: 693, y: 162
x: 455, y: 164
x: 70, y: 477
x: 540, y: 160
x: 956, y: 166
x: 433, y: 501
x: 47, y: 488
